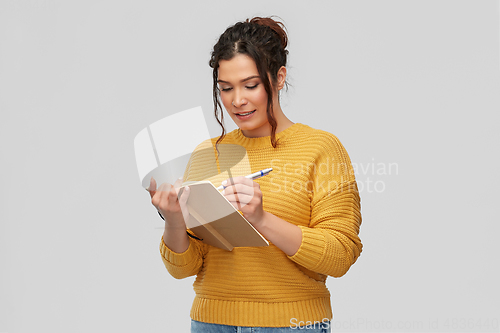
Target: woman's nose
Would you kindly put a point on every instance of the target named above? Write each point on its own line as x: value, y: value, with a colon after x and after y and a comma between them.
x: 239, y: 100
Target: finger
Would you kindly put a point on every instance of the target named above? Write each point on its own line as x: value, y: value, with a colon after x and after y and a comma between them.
x: 236, y: 204
x: 238, y: 197
x: 184, y: 196
x: 165, y: 187
x: 240, y: 189
x: 178, y: 184
x: 152, y: 187
x: 244, y: 180
x: 183, y: 202
x: 165, y: 198
x: 173, y: 201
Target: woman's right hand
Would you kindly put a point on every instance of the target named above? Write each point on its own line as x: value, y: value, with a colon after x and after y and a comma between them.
x: 165, y: 200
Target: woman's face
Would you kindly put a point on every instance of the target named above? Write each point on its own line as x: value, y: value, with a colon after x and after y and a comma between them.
x: 243, y: 95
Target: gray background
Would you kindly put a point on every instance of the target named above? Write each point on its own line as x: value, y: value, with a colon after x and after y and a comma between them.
x: 411, y: 88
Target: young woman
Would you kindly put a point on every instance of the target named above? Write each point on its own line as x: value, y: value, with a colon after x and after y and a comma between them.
x: 308, y: 208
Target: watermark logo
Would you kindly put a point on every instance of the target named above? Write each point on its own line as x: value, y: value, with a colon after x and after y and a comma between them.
x: 330, y: 175
x: 372, y: 176
x: 417, y: 325
x: 309, y: 325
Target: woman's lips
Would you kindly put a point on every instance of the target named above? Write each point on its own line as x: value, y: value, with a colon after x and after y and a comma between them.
x: 239, y: 116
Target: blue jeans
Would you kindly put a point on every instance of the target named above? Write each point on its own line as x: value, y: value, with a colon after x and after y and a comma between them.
x: 199, y: 327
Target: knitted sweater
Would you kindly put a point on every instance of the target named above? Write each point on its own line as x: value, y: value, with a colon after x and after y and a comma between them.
x: 312, y: 185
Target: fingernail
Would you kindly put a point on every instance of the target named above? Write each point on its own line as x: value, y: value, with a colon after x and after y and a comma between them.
x: 224, y: 183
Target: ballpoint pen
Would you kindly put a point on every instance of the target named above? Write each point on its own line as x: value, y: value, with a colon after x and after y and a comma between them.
x: 253, y: 176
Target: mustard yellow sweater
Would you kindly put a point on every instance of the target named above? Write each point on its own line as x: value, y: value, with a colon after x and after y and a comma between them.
x: 312, y: 185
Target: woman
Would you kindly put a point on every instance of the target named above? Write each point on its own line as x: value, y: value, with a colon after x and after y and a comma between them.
x: 308, y: 208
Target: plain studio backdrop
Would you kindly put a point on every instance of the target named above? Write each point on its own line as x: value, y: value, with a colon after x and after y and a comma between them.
x: 411, y: 88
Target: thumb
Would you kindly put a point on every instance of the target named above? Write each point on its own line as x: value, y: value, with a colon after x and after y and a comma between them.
x: 183, y: 203
x: 184, y: 196
x: 177, y: 185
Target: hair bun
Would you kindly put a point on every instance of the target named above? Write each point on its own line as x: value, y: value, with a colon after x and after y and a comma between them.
x: 276, y: 26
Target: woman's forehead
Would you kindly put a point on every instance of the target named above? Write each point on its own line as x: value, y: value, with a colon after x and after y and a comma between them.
x: 238, y: 68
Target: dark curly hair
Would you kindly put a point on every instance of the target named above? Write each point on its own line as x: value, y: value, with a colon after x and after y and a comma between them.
x: 262, y: 39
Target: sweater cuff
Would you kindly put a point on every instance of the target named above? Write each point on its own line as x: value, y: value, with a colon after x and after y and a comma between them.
x: 311, y: 249
x: 178, y: 259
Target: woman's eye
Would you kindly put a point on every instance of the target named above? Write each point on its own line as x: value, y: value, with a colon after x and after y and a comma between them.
x: 228, y: 89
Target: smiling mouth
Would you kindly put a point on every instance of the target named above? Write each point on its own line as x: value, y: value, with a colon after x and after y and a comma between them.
x: 244, y: 113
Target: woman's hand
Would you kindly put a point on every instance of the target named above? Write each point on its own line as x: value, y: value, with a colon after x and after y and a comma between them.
x: 165, y: 200
x: 245, y: 195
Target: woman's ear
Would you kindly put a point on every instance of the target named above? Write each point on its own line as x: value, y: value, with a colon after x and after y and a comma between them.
x: 281, y: 77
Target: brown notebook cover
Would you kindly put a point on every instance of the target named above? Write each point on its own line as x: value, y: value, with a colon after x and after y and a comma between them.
x: 216, y: 222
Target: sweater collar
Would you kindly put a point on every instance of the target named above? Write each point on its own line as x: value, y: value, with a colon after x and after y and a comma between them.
x: 264, y: 141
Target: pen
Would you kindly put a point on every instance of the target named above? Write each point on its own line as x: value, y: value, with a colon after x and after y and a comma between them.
x: 253, y: 176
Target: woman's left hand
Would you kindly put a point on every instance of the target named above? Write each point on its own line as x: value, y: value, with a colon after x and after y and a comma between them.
x: 245, y: 195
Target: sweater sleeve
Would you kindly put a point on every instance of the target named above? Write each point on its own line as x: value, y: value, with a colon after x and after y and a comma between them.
x: 182, y: 265
x: 188, y: 263
x: 330, y: 244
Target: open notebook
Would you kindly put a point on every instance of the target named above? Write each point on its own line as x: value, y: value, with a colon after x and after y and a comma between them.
x: 215, y: 221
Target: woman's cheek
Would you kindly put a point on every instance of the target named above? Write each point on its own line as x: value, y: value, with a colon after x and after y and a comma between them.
x: 261, y: 96
x: 226, y: 101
